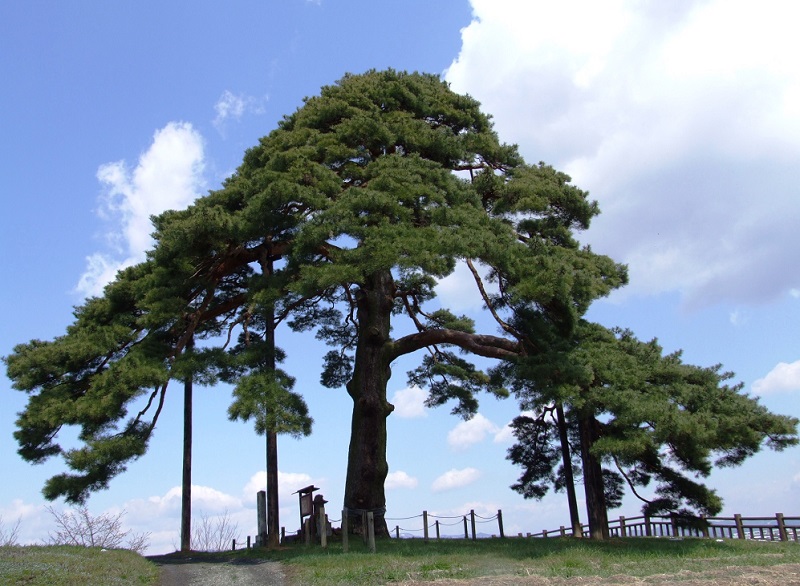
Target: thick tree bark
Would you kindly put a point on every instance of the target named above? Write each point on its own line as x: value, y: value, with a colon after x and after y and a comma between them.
x: 367, y: 467
x: 569, y: 479
x: 593, y: 478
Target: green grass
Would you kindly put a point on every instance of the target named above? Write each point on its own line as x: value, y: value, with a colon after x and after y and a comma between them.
x: 405, y: 559
x: 69, y: 566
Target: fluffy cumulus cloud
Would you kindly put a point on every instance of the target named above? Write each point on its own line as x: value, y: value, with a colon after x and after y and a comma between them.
x: 454, y: 478
x: 409, y: 403
x: 784, y: 377
x: 169, y: 175
x: 468, y: 433
x: 400, y: 479
x: 682, y: 118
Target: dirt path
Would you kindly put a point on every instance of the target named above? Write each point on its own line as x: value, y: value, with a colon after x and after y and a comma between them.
x: 185, y: 571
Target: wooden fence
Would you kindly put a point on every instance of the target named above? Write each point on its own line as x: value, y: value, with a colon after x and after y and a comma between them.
x: 777, y: 528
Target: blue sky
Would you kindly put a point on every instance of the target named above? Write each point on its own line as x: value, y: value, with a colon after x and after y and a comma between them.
x: 682, y: 119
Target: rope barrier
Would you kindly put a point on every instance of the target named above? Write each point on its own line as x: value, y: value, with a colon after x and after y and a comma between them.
x: 403, y: 518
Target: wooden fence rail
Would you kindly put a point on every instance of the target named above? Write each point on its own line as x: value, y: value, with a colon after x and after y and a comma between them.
x: 777, y: 528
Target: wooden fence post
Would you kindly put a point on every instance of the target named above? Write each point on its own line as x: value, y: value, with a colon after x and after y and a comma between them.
x: 622, y: 530
x: 397, y: 531
x: 425, y: 526
x: 648, y: 531
x: 466, y: 533
x: 438, y: 537
x: 781, y: 527
x: 563, y: 531
x: 500, y: 522
x: 248, y: 542
x: 345, y: 531
x: 704, y: 525
x: 544, y: 533
x: 472, y: 522
x: 739, y: 526
x: 673, y: 520
x: 371, y: 531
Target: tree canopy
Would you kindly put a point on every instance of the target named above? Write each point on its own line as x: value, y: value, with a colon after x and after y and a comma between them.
x: 362, y: 199
x: 649, y: 418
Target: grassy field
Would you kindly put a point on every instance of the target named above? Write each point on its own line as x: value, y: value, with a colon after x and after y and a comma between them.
x: 414, y: 560
x: 70, y: 566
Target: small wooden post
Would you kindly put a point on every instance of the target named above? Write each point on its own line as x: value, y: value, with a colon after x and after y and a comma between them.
x: 472, y: 522
x: 397, y: 531
x: 466, y: 533
x: 673, y: 520
x: 437, y: 530
x: 425, y: 526
x: 704, y: 525
x: 307, y: 529
x: 345, y: 532
x: 781, y: 527
x: 544, y: 533
x: 648, y: 531
x: 234, y: 545
x: 500, y: 522
x: 323, y: 525
x: 371, y: 531
x: 248, y: 542
x: 563, y: 531
x: 261, y: 510
x: 739, y: 526
x: 623, y: 531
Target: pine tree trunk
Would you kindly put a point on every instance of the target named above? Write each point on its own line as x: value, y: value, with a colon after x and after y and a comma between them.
x: 273, y: 520
x: 569, y: 479
x: 593, y: 478
x: 366, y: 466
x: 186, y: 481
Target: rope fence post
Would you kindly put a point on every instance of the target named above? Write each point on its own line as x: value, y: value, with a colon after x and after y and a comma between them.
x: 371, y: 531
x: 425, y: 526
x: 397, y: 531
x: 345, y: 532
x: 472, y: 522
x: 466, y: 533
x: 622, y: 529
x: 437, y: 530
x: 500, y: 523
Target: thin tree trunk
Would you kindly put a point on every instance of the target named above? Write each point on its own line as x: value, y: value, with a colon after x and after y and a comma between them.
x: 366, y: 466
x: 569, y: 479
x: 593, y: 479
x: 186, y: 483
x: 273, y: 520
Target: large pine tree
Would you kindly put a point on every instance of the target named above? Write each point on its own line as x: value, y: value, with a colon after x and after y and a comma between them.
x: 361, y: 199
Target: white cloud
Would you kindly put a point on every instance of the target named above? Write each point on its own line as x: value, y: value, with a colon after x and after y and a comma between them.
x: 400, y: 479
x: 231, y: 106
x: 169, y: 175
x: 409, y: 403
x: 468, y: 433
x: 784, y: 377
x: 458, y: 290
x: 288, y: 483
x: 455, y: 479
x: 682, y: 118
